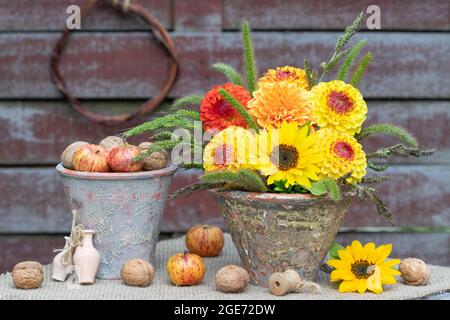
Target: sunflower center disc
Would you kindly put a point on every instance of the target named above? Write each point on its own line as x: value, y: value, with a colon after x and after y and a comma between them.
x: 284, y: 156
x: 362, y: 269
x: 339, y: 102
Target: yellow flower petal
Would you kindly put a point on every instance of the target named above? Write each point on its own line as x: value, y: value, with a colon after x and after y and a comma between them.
x: 358, y: 251
x: 385, y: 251
x: 337, y: 275
x: 338, y: 264
x: 390, y: 263
x: 385, y: 279
x: 374, y: 281
x: 361, y: 286
x: 345, y: 254
x: 348, y: 286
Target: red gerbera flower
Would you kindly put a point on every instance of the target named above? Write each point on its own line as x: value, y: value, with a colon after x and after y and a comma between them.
x: 217, y: 114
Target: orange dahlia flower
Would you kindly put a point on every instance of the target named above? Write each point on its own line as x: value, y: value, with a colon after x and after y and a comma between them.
x: 289, y: 74
x: 217, y: 114
x: 275, y: 102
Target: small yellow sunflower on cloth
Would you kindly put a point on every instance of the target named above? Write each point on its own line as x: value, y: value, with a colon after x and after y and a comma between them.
x: 364, y: 268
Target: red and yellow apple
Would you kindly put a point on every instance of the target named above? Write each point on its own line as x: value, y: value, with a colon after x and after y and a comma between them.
x: 186, y: 269
x: 205, y: 240
x: 91, y: 158
x: 122, y: 159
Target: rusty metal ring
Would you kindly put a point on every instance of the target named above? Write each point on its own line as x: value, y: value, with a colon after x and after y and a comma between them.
x: 159, y: 31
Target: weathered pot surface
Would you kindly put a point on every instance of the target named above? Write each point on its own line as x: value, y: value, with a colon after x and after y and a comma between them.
x: 124, y: 209
x: 274, y: 232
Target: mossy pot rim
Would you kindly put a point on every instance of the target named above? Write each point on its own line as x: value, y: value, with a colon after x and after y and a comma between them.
x: 116, y: 175
x: 271, y: 198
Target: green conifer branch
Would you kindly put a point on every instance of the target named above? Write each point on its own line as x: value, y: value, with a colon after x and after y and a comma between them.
x: 399, y: 150
x: 349, y: 32
x: 249, y: 58
x: 349, y: 61
x: 252, y: 180
x: 243, y: 179
x: 365, y: 193
x: 308, y: 72
x: 198, y: 186
x: 388, y: 129
x: 239, y: 108
x: 361, y: 69
x: 231, y: 73
x: 163, y: 135
x: 191, y: 100
x: 377, y: 167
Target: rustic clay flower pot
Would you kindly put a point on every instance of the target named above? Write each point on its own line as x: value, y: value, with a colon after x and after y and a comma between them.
x: 274, y: 232
x: 124, y: 209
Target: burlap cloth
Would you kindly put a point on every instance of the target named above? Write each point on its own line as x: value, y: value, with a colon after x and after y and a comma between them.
x: 162, y: 289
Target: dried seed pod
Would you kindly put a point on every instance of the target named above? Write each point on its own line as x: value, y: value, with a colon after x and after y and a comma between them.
x: 414, y: 272
x: 156, y: 160
x: 67, y: 155
x: 232, y: 278
x: 137, y: 273
x: 28, y: 275
x: 111, y: 142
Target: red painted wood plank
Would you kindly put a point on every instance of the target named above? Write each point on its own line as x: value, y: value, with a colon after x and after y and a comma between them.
x: 43, y: 15
x: 335, y: 14
x: 33, y: 201
x: 34, y: 132
x: 432, y: 248
x: 131, y: 65
x: 198, y: 15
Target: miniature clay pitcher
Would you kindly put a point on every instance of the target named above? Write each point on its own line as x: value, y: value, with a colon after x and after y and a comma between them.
x: 60, y: 271
x: 86, y: 259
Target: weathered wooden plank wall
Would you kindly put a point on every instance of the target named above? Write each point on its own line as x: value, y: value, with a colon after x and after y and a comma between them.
x: 116, y: 64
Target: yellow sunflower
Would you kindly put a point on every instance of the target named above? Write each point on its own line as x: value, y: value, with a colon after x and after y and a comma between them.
x: 288, y: 74
x: 341, y: 154
x: 338, y: 106
x: 275, y: 102
x: 288, y: 153
x: 229, y: 150
x: 364, y: 268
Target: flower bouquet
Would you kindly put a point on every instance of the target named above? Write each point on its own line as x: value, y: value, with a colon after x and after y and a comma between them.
x: 282, y: 153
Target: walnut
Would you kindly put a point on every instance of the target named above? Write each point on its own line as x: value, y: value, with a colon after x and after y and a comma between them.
x: 414, y: 272
x: 156, y: 160
x: 232, y: 278
x: 111, y: 142
x: 28, y: 275
x: 67, y: 155
x: 137, y: 273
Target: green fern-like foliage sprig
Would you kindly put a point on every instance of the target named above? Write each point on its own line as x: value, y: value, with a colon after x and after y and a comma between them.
x: 349, y: 61
x: 239, y: 108
x: 361, y: 69
x: 251, y: 73
x: 232, y: 75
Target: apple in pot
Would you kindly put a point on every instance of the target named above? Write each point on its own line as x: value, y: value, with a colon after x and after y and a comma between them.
x: 186, y: 269
x: 122, y: 159
x: 91, y: 158
x: 205, y: 240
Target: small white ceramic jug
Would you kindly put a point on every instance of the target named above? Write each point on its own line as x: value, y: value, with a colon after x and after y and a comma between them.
x: 86, y: 259
x: 60, y: 271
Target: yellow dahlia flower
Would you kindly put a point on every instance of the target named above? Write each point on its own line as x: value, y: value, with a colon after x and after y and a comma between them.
x: 288, y: 153
x: 229, y: 150
x: 338, y: 106
x: 275, y: 102
x: 341, y: 154
x: 288, y: 74
x: 364, y: 268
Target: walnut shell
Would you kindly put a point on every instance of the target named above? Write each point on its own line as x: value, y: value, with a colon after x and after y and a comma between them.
x: 137, y: 273
x: 111, y: 142
x: 28, y: 275
x: 67, y: 155
x: 232, y: 278
x: 414, y: 272
x: 155, y: 161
